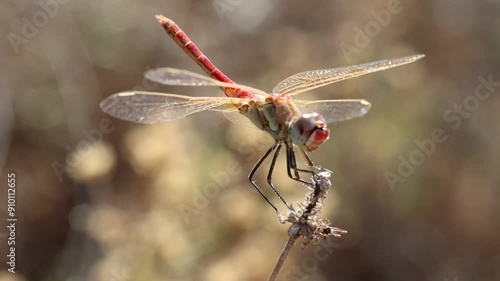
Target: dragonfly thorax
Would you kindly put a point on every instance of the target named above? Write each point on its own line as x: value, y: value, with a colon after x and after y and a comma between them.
x: 275, y: 114
x: 309, y: 131
x: 279, y: 116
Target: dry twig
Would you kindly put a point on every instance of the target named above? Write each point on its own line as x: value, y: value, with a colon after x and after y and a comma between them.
x: 307, y: 221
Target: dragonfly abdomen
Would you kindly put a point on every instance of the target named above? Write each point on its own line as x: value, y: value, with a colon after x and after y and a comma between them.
x: 197, y: 55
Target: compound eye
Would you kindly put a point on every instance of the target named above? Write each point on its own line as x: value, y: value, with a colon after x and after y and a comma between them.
x: 310, y: 131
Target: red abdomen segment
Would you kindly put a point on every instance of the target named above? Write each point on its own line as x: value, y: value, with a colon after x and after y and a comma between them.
x: 190, y: 48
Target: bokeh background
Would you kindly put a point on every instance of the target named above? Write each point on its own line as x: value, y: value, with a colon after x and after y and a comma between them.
x: 103, y: 199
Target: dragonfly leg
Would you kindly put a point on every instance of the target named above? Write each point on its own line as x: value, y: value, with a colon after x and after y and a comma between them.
x: 310, y: 163
x: 270, y: 176
x: 308, y: 159
x: 291, y: 164
x: 254, y: 170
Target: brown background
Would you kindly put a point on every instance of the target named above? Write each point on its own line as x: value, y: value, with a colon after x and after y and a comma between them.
x: 115, y: 215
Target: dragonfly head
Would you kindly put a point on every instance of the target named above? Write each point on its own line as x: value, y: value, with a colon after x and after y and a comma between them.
x: 309, y: 131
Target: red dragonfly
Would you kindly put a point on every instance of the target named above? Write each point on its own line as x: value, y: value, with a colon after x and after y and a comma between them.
x: 294, y: 123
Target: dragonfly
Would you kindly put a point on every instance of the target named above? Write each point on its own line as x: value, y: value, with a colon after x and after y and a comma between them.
x: 295, y: 124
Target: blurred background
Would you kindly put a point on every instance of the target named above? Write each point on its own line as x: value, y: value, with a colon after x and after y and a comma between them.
x: 415, y: 181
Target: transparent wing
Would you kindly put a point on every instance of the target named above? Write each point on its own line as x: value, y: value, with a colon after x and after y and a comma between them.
x: 178, y: 77
x: 309, y: 80
x: 335, y: 110
x: 237, y: 118
x: 149, y: 107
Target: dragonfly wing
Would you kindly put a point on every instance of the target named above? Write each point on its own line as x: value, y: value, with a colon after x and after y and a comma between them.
x: 335, y: 110
x: 178, y: 77
x: 149, y: 107
x: 309, y: 80
x: 237, y: 118
x: 234, y: 116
